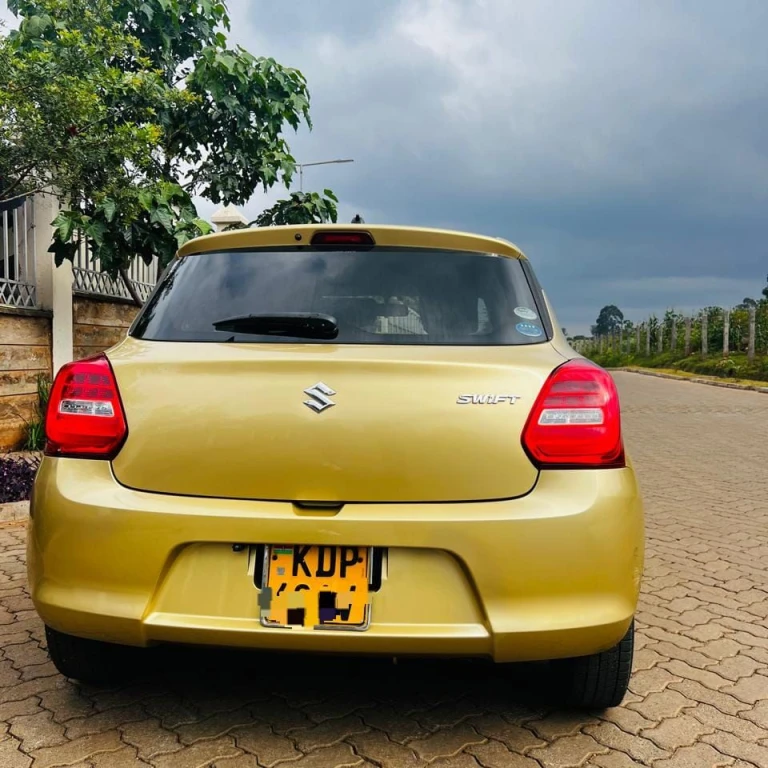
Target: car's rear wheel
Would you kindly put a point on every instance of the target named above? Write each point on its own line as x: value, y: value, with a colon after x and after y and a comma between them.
x: 598, y: 681
x: 90, y: 661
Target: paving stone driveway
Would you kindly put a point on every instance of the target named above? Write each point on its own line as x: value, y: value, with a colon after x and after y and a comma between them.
x: 699, y: 694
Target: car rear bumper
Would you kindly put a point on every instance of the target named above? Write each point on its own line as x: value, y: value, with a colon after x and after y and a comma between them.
x: 553, y: 574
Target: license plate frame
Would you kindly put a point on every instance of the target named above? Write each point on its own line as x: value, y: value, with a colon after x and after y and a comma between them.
x: 315, y: 590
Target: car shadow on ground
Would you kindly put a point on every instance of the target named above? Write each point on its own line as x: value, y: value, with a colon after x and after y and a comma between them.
x: 346, y: 683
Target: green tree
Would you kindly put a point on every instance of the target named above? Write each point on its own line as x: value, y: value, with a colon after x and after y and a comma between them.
x: 125, y: 109
x: 301, y: 208
x: 609, y: 320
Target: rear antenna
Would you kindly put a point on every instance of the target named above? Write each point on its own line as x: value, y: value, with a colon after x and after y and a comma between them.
x: 358, y: 219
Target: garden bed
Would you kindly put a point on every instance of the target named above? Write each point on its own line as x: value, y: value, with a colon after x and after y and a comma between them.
x: 17, y: 473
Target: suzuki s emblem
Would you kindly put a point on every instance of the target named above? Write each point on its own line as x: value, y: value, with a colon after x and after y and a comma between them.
x: 320, y: 395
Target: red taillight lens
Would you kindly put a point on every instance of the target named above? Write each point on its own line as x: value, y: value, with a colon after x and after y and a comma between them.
x: 575, y: 422
x: 348, y: 239
x: 85, y: 417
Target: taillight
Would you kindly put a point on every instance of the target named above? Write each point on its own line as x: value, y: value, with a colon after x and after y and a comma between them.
x: 575, y: 421
x: 85, y: 417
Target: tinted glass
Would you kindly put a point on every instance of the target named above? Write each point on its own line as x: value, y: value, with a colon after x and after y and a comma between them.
x: 379, y: 296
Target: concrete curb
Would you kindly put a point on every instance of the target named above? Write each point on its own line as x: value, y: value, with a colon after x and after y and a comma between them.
x: 693, y: 380
x: 14, y: 512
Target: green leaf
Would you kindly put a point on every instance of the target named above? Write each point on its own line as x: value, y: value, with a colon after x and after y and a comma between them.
x: 36, y: 26
x: 95, y: 230
x: 64, y: 224
x: 227, y: 61
x: 147, y: 199
x: 204, y: 227
x: 62, y: 251
x: 109, y: 207
x: 163, y: 217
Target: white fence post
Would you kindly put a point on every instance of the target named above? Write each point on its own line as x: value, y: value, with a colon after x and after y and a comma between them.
x: 704, y: 336
x: 54, y: 284
x: 726, y: 331
x: 752, y: 333
x: 688, y: 323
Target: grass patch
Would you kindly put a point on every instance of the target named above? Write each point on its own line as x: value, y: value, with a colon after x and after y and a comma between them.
x: 735, y: 368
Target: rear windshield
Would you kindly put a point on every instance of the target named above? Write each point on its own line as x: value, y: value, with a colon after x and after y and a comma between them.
x: 379, y: 296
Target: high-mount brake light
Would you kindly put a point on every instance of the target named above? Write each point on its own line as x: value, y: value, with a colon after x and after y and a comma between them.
x: 85, y: 417
x: 348, y: 239
x: 575, y: 421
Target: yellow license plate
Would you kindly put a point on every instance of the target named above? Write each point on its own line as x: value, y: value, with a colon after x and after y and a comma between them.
x: 316, y: 587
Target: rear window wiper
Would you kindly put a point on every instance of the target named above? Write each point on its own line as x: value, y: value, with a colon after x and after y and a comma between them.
x: 305, y: 325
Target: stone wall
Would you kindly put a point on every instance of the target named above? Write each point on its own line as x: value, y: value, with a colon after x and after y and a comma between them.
x: 99, y: 325
x: 25, y: 353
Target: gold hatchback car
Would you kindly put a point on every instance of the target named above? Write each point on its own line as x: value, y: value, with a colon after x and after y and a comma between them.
x: 361, y: 440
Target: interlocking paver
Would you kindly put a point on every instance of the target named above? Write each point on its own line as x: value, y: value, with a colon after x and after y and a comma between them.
x: 512, y: 735
x: 653, y: 680
x: 260, y: 740
x: 611, y: 736
x: 493, y: 754
x: 719, y: 721
x: 568, y: 751
x: 658, y: 706
x: 628, y: 719
x: 104, y: 721
x: 737, y: 667
x: 614, y: 760
x: 11, y: 755
x: 447, y: 743
x: 149, y: 738
x: 398, y: 725
x: 676, y: 732
x: 36, y: 731
x: 698, y: 756
x: 732, y: 745
x: 699, y: 697
x: 376, y: 747
x: 696, y: 692
x: 78, y: 750
x: 201, y: 754
x: 123, y: 758
x: 750, y: 689
x: 338, y: 756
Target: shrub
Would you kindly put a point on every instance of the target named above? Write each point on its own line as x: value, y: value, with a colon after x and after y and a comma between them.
x: 35, y: 437
x: 16, y: 478
x: 737, y: 366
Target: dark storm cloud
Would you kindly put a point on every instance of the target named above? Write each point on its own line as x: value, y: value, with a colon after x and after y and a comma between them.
x: 622, y: 144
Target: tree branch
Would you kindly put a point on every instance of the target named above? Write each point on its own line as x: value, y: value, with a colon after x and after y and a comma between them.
x: 131, y: 288
x: 20, y: 176
x: 24, y: 194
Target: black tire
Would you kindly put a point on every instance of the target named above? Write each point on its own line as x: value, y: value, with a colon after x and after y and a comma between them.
x: 599, y: 681
x: 90, y: 661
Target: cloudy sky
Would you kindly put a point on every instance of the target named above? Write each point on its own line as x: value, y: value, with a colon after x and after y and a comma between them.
x: 623, y: 144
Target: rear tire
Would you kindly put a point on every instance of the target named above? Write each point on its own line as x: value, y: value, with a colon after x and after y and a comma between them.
x: 90, y: 661
x: 599, y: 681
